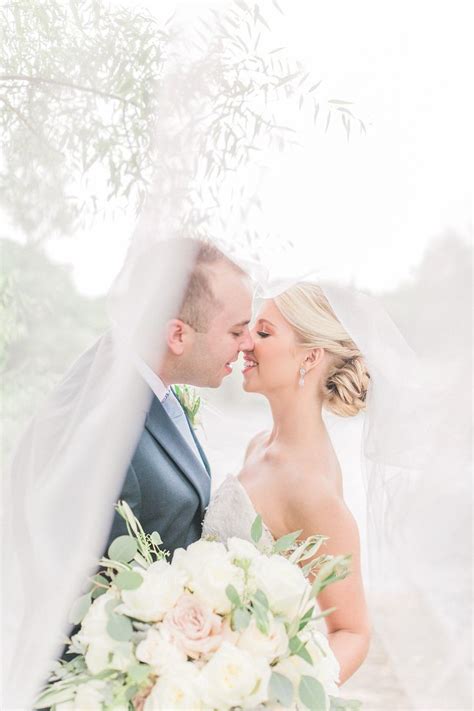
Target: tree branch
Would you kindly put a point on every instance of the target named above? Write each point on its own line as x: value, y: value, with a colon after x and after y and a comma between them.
x: 30, y: 127
x: 67, y: 85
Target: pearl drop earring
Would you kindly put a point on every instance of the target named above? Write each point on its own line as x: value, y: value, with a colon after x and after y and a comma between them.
x: 302, y: 374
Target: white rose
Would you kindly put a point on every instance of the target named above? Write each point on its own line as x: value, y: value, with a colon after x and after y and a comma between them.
x: 209, y: 571
x: 161, y: 587
x: 283, y: 583
x: 326, y: 666
x: 157, y: 651
x: 270, y: 645
x: 242, y: 550
x: 177, y: 688
x: 102, y: 651
x: 234, y: 677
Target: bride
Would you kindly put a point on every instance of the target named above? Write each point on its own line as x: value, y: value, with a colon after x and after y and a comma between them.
x: 303, y: 360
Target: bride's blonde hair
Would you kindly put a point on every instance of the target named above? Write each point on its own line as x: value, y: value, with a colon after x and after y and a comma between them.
x: 309, y: 313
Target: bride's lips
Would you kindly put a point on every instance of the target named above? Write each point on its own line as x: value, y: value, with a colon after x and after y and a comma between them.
x: 249, y: 364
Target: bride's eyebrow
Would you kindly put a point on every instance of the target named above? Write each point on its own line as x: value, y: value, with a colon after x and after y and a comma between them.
x: 264, y: 320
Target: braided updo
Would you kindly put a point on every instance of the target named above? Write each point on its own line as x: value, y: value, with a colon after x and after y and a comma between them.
x: 307, y: 310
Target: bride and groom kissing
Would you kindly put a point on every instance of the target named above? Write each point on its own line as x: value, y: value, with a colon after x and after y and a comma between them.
x: 299, y: 356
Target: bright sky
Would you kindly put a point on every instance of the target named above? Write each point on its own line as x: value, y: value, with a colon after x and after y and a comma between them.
x: 365, y: 209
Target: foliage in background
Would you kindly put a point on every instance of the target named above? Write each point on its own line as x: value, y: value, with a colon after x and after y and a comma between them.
x: 44, y: 324
x: 78, y: 96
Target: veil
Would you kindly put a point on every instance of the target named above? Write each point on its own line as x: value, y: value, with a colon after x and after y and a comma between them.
x: 68, y: 468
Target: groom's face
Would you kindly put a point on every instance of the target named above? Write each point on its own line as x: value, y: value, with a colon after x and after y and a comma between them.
x: 211, y: 353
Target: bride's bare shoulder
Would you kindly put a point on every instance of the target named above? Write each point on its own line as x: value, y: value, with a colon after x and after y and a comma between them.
x: 255, y: 442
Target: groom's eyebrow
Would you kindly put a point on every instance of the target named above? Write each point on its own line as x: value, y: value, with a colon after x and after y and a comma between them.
x: 241, y: 324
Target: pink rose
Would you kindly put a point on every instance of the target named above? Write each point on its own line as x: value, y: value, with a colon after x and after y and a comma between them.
x: 194, y: 627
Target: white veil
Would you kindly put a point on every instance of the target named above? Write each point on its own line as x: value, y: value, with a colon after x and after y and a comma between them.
x: 58, y: 497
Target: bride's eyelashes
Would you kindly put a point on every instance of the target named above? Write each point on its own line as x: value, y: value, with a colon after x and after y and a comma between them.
x: 262, y: 334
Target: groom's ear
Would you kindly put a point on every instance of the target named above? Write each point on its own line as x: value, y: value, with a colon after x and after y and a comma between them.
x: 176, y: 335
x: 313, y: 358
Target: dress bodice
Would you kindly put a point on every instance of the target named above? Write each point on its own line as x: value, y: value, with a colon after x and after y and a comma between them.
x: 231, y: 513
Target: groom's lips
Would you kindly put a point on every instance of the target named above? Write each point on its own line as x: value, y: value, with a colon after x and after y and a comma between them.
x: 228, y: 366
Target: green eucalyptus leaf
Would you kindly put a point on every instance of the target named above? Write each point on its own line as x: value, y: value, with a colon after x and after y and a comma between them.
x: 339, y: 704
x: 123, y: 549
x: 287, y: 541
x: 128, y: 580
x: 79, y: 609
x: 257, y: 529
x: 241, y: 619
x: 97, y: 592
x: 139, y: 672
x: 281, y: 689
x: 233, y: 596
x: 261, y: 599
x: 312, y: 694
x: 120, y: 627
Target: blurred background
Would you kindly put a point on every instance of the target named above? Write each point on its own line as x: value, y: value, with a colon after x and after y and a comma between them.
x: 341, y: 146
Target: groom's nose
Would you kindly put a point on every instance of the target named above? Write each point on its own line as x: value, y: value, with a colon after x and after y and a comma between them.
x: 246, y: 343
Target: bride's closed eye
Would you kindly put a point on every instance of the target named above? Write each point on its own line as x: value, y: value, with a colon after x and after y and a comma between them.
x: 262, y: 334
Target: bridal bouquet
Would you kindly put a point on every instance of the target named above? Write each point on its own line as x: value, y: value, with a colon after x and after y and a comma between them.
x: 220, y: 627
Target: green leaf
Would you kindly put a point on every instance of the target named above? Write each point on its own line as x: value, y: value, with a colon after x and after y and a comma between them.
x: 79, y: 609
x: 131, y: 692
x: 261, y: 599
x: 54, y: 695
x: 123, y: 549
x: 339, y: 704
x: 312, y: 694
x: 119, y: 627
x: 139, y: 672
x: 257, y: 529
x: 233, y: 596
x: 156, y: 538
x: 305, y: 619
x: 261, y: 617
x: 285, y: 542
x: 281, y: 689
x: 97, y: 592
x: 241, y: 619
x: 128, y: 580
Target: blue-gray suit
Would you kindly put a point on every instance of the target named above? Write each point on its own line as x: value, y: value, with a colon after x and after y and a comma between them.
x: 166, y: 485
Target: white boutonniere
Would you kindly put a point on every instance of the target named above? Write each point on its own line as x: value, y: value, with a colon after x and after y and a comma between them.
x: 190, y: 401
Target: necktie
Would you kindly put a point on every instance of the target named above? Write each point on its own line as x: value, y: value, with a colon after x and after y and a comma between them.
x: 176, y: 414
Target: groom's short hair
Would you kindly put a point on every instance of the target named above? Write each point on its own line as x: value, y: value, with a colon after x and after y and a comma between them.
x: 200, y: 302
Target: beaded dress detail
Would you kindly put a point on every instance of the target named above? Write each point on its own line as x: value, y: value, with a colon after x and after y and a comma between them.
x: 231, y: 513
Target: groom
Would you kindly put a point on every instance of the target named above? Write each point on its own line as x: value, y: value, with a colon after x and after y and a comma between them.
x: 167, y: 484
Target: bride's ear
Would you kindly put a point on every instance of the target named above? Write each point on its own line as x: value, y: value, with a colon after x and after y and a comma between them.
x: 313, y: 358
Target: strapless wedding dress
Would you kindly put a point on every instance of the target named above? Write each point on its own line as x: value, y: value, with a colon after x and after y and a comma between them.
x: 231, y: 513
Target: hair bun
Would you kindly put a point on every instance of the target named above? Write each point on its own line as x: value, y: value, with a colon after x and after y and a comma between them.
x: 346, y: 387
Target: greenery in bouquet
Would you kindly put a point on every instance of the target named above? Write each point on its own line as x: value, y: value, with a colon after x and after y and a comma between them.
x: 219, y: 627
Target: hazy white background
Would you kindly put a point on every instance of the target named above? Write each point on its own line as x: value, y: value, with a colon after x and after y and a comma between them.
x: 364, y: 210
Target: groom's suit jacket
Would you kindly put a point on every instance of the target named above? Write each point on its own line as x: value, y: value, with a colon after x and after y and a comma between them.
x: 166, y: 485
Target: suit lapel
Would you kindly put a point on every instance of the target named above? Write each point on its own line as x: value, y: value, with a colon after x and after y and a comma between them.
x: 164, y: 431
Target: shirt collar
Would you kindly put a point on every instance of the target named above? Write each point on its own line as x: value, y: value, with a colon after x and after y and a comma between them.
x: 152, y: 379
